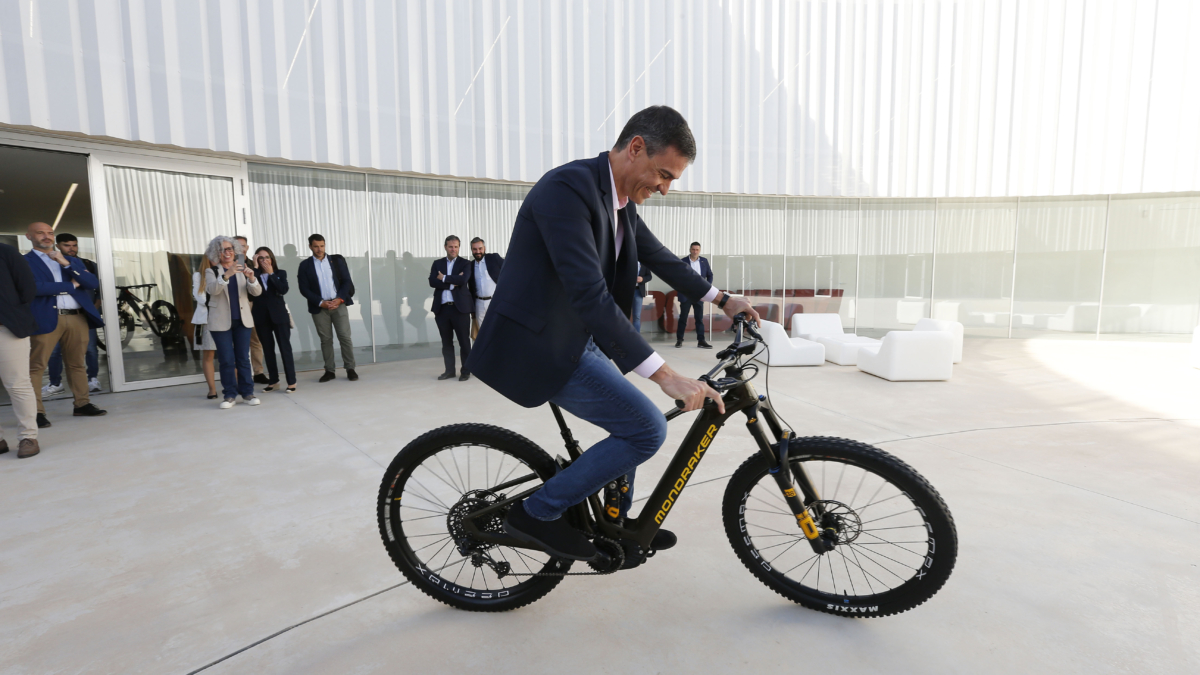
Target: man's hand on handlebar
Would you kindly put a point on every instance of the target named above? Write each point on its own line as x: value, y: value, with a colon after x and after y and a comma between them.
x: 738, y: 304
x: 691, y: 392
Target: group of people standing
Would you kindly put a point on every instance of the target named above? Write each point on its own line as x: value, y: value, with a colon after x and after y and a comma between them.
x: 462, y: 293
x: 48, y: 312
x: 241, y: 316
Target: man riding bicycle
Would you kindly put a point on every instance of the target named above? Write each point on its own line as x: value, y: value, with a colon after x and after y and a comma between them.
x: 561, y: 329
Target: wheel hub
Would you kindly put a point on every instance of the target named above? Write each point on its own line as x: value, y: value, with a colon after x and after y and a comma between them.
x: 492, y: 523
x: 839, y: 523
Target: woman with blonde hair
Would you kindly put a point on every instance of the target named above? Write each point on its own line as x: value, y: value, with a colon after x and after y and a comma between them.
x: 230, y: 283
x: 201, y: 340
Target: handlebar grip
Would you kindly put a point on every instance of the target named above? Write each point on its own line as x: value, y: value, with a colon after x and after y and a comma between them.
x: 680, y: 404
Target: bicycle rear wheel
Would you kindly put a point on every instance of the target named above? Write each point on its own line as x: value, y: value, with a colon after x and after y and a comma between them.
x: 432, y: 485
x: 896, y: 543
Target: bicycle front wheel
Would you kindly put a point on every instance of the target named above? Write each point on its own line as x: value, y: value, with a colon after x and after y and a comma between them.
x: 896, y: 541
x: 429, y: 491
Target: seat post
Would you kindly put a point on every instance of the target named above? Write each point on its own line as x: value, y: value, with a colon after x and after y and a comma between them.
x: 573, y: 448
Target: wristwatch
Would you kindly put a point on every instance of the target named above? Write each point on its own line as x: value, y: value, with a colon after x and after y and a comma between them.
x: 724, y: 299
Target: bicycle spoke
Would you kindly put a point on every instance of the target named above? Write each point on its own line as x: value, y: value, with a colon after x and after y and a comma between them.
x: 772, y: 560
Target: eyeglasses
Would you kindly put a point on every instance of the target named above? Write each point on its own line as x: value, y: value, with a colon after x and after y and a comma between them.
x: 226, y: 250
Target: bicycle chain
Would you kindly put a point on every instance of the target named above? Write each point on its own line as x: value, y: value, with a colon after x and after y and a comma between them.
x: 616, y: 567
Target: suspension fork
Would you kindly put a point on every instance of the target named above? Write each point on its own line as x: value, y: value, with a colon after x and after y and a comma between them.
x: 779, y: 465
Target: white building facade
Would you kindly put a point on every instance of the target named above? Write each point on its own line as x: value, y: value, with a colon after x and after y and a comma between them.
x: 1029, y: 168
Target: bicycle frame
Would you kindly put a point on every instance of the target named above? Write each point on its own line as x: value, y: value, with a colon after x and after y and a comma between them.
x: 763, y: 425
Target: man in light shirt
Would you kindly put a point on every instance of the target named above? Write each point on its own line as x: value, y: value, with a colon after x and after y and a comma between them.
x: 64, y: 312
x: 485, y: 276
x: 699, y: 265
x: 559, y: 329
x: 451, y: 279
x: 324, y: 281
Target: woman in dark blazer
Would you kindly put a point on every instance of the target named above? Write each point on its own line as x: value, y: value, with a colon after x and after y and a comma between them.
x: 272, y: 321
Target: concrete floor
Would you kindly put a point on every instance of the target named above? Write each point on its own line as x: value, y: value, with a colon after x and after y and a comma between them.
x: 170, y: 534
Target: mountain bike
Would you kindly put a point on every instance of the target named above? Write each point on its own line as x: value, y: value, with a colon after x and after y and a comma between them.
x: 835, y: 525
x: 160, y: 318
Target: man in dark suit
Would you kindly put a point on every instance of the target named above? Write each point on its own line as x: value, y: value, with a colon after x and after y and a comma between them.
x: 65, y: 312
x: 561, y: 312
x: 485, y: 274
x: 18, y: 288
x: 68, y: 244
x: 451, y: 279
x: 325, y: 282
x: 699, y: 265
x: 639, y: 295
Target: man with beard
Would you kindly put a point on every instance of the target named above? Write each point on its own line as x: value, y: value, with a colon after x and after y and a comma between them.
x: 484, y: 280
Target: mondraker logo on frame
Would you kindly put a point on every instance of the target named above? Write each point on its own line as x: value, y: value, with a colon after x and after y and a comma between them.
x: 685, y: 474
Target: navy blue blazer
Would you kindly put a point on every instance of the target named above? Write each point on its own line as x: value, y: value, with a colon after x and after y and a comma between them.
x: 705, y: 271
x: 462, y: 280
x: 310, y: 286
x: 18, y: 288
x: 493, y: 263
x: 45, y: 305
x: 644, y: 273
x: 270, y: 307
x: 564, y: 282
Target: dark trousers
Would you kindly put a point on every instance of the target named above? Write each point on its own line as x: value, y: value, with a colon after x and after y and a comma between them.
x: 637, y: 310
x: 269, y: 333
x: 233, y: 354
x: 451, y: 322
x: 697, y: 308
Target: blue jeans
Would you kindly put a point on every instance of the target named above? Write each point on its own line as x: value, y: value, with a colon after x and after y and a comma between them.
x: 599, y: 393
x: 54, y: 367
x: 637, y: 311
x: 233, y: 354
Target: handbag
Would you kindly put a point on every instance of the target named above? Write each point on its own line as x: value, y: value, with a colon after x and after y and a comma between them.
x: 291, y: 321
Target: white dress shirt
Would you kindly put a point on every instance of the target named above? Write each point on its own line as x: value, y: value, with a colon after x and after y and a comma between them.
x: 325, y: 277
x: 654, y: 361
x: 447, y: 296
x: 484, y: 286
x: 264, y: 276
x: 696, y: 266
x: 64, y: 300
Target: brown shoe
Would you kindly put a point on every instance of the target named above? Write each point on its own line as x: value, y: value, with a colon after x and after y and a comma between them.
x: 27, y: 448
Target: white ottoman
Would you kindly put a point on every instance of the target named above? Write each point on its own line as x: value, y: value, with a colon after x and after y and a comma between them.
x: 843, y: 349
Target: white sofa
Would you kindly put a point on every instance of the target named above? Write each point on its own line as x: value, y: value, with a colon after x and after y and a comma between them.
x: 788, y: 351
x: 953, y: 327
x: 906, y: 356
x: 841, y: 348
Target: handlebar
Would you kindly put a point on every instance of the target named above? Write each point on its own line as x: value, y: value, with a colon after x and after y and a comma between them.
x: 126, y: 288
x: 740, y: 347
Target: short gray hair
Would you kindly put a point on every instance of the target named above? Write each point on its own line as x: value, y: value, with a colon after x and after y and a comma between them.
x: 213, y: 252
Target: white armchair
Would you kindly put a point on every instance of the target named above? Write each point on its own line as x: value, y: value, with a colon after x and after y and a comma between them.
x: 813, y: 326
x: 826, y: 329
x: 906, y: 356
x: 788, y: 351
x: 953, y: 327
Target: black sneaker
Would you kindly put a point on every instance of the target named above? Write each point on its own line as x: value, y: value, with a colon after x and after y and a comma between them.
x: 90, y: 410
x: 3, y: 446
x: 329, y: 375
x: 678, y: 344
x: 351, y: 375
x: 556, y: 536
x: 261, y: 379
x: 663, y: 540
x: 703, y: 345
x: 43, y: 422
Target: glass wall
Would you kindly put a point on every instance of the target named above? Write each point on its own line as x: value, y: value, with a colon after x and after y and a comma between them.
x: 974, y: 264
x: 1152, y: 268
x: 1059, y: 257
x: 289, y: 204
x: 1031, y: 267
x: 410, y: 218
x: 161, y: 223
x: 822, y: 258
x: 895, y: 276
